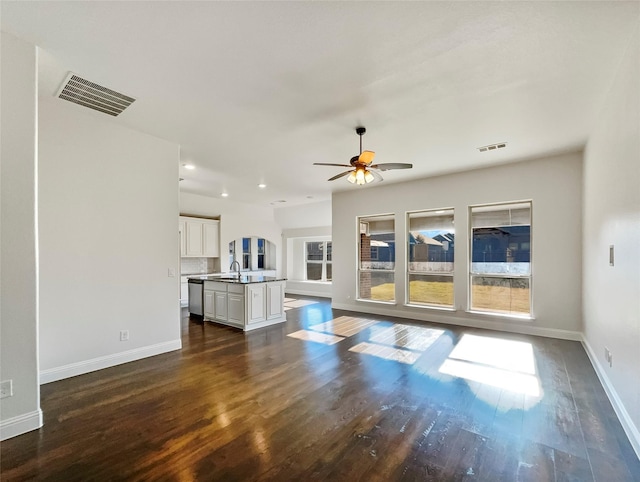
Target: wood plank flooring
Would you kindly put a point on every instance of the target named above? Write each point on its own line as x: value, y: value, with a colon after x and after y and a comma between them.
x: 389, y: 400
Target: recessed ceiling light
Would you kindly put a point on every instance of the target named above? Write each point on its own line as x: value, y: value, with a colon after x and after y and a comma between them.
x: 224, y: 194
x: 262, y: 185
x: 189, y: 166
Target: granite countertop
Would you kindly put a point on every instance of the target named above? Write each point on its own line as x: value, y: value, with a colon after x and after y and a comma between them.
x: 245, y: 280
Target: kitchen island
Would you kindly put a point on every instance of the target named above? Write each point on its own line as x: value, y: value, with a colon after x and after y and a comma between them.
x: 245, y: 302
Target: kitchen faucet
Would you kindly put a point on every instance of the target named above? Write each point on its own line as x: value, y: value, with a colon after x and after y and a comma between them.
x: 232, y: 264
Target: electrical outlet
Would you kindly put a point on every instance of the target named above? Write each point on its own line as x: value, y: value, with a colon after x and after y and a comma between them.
x: 6, y: 389
x: 171, y: 272
x: 124, y: 335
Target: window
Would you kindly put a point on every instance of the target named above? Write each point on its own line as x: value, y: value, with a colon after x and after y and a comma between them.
x: 252, y: 253
x: 377, y: 258
x: 232, y: 252
x: 246, y: 253
x: 430, y: 255
x: 318, y: 260
x: 261, y: 252
x: 500, y: 271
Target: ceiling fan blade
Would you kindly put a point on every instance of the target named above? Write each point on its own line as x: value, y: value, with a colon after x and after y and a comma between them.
x: 366, y: 157
x: 392, y: 165
x: 377, y: 175
x: 329, y: 164
x: 338, y: 176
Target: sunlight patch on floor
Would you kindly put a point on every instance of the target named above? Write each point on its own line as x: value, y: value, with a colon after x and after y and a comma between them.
x: 497, y: 362
x: 344, y: 325
x: 386, y: 352
x: 298, y: 303
x: 405, y: 336
x: 314, y: 336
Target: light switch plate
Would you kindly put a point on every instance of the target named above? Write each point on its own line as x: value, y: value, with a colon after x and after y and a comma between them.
x: 6, y: 389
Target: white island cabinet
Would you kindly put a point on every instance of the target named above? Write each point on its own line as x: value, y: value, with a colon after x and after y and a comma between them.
x: 249, y: 303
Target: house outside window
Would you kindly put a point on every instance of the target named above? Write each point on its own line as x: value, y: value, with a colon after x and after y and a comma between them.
x: 318, y: 260
x: 376, y: 258
x: 430, y: 253
x: 500, y: 269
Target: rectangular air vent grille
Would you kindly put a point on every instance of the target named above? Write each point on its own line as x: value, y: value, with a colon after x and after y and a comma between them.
x: 492, y: 147
x: 94, y: 96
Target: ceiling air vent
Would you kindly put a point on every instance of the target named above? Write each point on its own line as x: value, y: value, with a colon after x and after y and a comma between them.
x: 492, y: 147
x: 89, y: 94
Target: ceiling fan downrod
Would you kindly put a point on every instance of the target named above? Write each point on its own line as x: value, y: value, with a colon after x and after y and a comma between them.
x: 360, y: 131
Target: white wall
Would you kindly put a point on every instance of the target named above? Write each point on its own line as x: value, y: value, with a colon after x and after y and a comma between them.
x: 302, y: 216
x: 18, y: 244
x: 294, y: 261
x: 612, y: 217
x: 306, y: 222
x: 237, y: 220
x: 554, y: 185
x: 108, y: 222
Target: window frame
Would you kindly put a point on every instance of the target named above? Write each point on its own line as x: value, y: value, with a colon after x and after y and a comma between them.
x: 363, y: 222
x: 443, y: 211
x: 246, y: 255
x: 325, y: 250
x: 471, y: 274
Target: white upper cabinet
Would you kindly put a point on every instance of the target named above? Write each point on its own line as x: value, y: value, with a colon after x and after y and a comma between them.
x: 200, y: 238
x: 194, y: 238
x: 183, y: 236
x: 210, y: 239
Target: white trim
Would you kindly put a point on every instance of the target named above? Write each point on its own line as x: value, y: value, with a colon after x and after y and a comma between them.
x: 425, y: 306
x: 99, y: 363
x: 317, y: 294
x: 502, y: 315
x: 452, y: 319
x: 24, y: 423
x: 625, y: 419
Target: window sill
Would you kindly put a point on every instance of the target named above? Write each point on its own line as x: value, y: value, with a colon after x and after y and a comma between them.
x: 501, y: 315
x: 378, y: 302
x: 431, y: 307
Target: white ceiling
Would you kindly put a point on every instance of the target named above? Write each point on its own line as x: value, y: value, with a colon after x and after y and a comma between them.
x: 259, y: 91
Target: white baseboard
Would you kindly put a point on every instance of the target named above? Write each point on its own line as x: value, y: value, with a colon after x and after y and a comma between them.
x: 24, y: 423
x: 625, y: 419
x: 307, y: 293
x: 86, y: 366
x: 453, y: 319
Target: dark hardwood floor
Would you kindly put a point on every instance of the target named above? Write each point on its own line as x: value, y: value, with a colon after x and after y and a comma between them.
x: 371, y: 399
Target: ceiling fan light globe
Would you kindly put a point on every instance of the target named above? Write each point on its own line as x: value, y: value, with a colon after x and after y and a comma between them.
x: 368, y: 177
x: 352, y: 177
x: 360, y: 176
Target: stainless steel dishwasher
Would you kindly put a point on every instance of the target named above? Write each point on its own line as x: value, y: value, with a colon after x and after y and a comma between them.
x: 196, y: 297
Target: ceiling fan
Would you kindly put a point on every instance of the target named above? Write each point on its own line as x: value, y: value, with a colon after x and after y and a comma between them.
x: 363, y: 171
